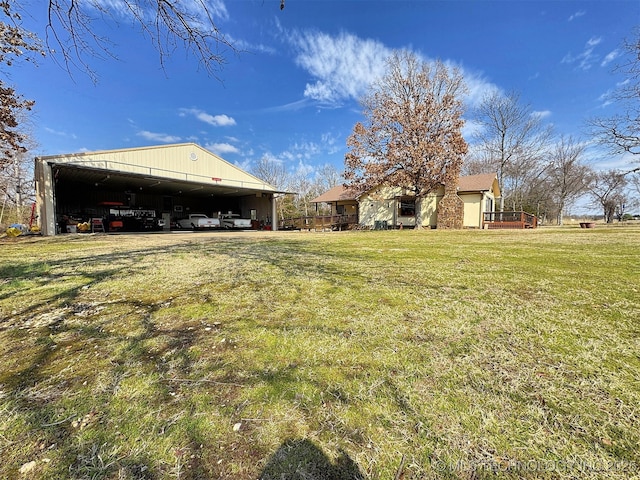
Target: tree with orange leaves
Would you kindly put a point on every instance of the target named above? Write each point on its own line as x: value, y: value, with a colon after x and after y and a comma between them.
x: 411, y: 136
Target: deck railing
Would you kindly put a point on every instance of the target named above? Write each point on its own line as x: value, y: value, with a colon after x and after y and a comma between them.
x: 319, y: 222
x: 509, y: 220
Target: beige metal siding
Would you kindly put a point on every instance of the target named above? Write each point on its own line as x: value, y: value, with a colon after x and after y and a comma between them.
x: 188, y: 162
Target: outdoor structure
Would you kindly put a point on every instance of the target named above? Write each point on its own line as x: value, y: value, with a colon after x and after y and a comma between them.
x: 343, y: 211
x: 450, y: 209
x: 471, y: 205
x: 148, y: 188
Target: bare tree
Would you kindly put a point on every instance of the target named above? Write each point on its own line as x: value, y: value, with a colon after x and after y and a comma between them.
x: 17, y: 190
x: 271, y: 171
x: 411, y: 136
x: 511, y: 142
x: 305, y: 185
x: 621, y: 132
x: 327, y: 177
x: 567, y: 176
x: 635, y: 179
x: 608, y: 191
x: 170, y: 24
x: 16, y: 44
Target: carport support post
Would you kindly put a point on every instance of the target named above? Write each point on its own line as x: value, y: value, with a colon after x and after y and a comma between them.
x: 44, y: 197
x: 274, y: 213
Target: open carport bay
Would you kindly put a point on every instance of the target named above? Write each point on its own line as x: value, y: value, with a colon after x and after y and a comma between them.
x: 139, y: 203
x: 141, y: 194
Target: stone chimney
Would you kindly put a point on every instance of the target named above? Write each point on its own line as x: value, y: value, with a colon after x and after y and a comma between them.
x: 451, y: 206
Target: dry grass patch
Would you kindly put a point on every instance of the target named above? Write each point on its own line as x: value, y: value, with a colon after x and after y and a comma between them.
x: 358, y: 355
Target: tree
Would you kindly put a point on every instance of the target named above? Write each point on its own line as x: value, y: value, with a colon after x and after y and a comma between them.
x: 327, y: 177
x: 621, y: 132
x: 567, y: 175
x: 511, y: 142
x: 169, y: 24
x: 15, y: 44
x: 17, y: 190
x: 272, y: 171
x: 411, y: 136
x: 635, y: 179
x: 608, y: 191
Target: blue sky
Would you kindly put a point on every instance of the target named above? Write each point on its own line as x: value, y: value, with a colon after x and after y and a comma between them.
x: 293, y: 96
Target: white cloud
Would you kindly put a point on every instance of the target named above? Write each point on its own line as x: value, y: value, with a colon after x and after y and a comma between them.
x: 304, y: 169
x: 289, y: 107
x: 244, y: 46
x: 342, y: 66
x: 470, y: 129
x: 244, y: 165
x: 158, y: 137
x: 611, y: 56
x: 478, y: 88
x: 214, y: 120
x: 593, y: 41
x: 577, y: 14
x: 60, y: 133
x: 600, y: 159
x: 332, y: 143
x: 586, y: 58
x: 541, y: 113
x: 221, y: 148
x: 606, y: 98
x: 272, y: 158
x: 197, y: 9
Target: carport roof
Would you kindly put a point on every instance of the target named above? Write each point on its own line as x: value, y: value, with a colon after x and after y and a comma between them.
x: 167, y: 169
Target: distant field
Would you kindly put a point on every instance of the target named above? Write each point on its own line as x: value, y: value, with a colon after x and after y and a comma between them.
x: 366, y: 355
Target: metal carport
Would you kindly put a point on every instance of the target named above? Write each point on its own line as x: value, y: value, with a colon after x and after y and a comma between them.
x: 171, y: 181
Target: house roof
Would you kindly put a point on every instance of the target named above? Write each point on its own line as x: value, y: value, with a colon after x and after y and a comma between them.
x: 337, y: 194
x: 470, y: 183
x: 479, y: 183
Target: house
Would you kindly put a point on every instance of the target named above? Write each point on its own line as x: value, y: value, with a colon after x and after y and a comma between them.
x: 392, y: 207
x: 341, y: 201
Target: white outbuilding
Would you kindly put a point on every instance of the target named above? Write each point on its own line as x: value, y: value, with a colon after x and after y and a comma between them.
x: 147, y: 188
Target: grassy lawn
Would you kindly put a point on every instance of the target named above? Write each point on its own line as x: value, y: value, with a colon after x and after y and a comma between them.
x: 366, y: 355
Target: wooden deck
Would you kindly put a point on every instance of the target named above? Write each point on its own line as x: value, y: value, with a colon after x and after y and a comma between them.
x: 319, y: 223
x: 509, y: 220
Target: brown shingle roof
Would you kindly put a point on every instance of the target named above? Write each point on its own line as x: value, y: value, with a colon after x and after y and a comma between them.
x: 469, y: 183
x: 336, y: 194
x: 476, y: 183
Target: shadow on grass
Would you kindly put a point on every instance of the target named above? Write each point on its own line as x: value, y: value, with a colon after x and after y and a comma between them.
x: 301, y: 459
x: 49, y: 356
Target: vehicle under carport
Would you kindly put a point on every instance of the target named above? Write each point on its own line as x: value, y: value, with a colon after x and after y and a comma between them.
x: 148, y: 188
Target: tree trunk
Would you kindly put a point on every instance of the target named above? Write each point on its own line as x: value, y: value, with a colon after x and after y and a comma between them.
x: 560, y: 217
x: 418, y: 213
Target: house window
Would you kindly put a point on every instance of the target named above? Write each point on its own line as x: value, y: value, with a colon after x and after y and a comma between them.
x: 340, y: 209
x: 406, y: 207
